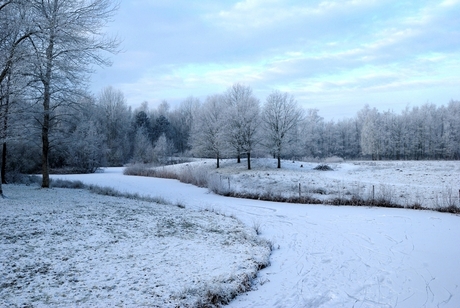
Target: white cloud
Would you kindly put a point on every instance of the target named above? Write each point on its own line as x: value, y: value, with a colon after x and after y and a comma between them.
x: 258, y: 14
x: 321, y: 49
x: 449, y: 3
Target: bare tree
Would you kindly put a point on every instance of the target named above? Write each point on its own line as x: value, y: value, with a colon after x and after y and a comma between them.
x: 5, y: 105
x: 87, y: 151
x: 208, y: 129
x: 243, y: 119
x: 116, y: 118
x: 163, y: 149
x: 143, y: 149
x: 313, y: 127
x: 181, y: 120
x: 280, y: 117
x: 68, y: 43
x: 15, y: 29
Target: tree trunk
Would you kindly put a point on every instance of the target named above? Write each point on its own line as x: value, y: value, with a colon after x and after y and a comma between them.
x: 218, y: 164
x: 45, y: 152
x: 279, y: 161
x: 249, y: 160
x: 5, y: 132
x: 238, y: 158
x: 1, y: 188
x: 45, y: 136
x: 46, y: 80
x: 3, y: 171
x: 5, y: 128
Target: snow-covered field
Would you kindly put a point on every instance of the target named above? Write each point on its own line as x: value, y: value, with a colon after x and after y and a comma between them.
x: 428, y: 183
x: 67, y: 248
x: 325, y: 256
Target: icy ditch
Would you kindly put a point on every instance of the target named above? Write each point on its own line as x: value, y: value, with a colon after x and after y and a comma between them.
x: 62, y: 247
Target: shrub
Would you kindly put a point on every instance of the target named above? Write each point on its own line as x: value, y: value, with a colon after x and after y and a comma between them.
x: 15, y: 177
x: 60, y: 183
x: 323, y: 167
x: 139, y: 170
x: 197, y: 176
x: 219, y: 185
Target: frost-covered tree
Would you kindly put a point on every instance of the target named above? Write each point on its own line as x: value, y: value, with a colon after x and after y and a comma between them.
x: 143, y: 149
x: 161, y: 126
x: 181, y: 121
x: 347, y: 133
x: 208, y: 137
x: 313, y: 127
x: 452, y: 130
x: 16, y: 27
x: 70, y: 40
x: 280, y: 117
x: 163, y: 149
x: 243, y: 120
x: 87, y: 151
x: 15, y: 30
x: 370, y: 132
x: 116, y: 120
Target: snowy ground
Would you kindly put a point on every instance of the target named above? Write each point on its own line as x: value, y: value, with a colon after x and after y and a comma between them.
x: 429, y: 183
x: 330, y: 256
x: 66, y: 248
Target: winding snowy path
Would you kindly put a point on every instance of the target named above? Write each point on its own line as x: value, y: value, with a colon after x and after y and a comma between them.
x: 332, y: 256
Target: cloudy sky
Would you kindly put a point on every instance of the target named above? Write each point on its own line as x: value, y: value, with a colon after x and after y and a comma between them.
x: 335, y: 56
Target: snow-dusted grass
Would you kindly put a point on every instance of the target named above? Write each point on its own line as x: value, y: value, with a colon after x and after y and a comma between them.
x: 63, y: 247
x: 189, y: 173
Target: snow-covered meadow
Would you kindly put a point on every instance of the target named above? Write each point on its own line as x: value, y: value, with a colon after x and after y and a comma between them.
x: 66, y: 248
x: 325, y: 256
x: 431, y: 184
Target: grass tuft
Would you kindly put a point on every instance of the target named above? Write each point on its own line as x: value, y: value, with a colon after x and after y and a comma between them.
x: 257, y: 227
x: 109, y: 191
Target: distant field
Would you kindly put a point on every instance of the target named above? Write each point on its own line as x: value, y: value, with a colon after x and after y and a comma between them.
x: 429, y: 183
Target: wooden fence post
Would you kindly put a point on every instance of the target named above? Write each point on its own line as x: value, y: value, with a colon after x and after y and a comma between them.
x: 373, y: 194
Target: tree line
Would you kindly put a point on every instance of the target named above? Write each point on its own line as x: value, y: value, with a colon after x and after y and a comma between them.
x: 50, y: 122
x: 105, y: 131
